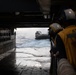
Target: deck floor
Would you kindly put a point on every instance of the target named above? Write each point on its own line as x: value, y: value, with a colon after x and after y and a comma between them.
x: 32, y: 61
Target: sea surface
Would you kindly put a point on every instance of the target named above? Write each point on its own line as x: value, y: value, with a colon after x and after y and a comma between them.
x: 25, y: 38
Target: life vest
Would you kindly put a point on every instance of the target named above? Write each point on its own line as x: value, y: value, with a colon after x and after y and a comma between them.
x: 68, y: 36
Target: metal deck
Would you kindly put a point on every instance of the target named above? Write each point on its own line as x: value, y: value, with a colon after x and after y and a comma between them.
x: 30, y: 61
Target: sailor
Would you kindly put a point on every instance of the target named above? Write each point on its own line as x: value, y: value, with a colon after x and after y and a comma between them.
x: 66, y: 39
x: 54, y: 28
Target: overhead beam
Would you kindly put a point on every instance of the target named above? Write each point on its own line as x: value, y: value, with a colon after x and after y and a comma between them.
x: 27, y: 19
x: 22, y: 17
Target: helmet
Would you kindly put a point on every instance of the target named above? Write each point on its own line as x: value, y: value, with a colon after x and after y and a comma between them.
x: 55, y: 27
x: 69, y: 14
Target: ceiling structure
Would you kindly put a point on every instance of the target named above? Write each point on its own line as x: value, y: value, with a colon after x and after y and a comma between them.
x: 32, y: 13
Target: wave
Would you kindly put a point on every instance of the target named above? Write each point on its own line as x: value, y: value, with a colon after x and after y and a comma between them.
x: 32, y: 43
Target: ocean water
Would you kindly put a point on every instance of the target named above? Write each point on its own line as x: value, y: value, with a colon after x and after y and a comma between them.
x: 25, y: 38
x: 31, y: 52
